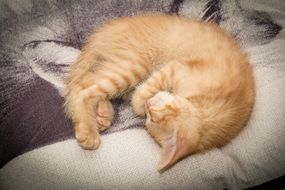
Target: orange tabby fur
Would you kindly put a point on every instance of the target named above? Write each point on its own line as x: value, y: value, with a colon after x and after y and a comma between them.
x: 207, y: 73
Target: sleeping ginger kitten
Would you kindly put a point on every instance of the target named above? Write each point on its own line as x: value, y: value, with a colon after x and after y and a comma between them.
x: 190, y: 78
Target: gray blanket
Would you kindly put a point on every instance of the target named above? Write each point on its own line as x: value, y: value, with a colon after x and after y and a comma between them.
x: 40, y: 39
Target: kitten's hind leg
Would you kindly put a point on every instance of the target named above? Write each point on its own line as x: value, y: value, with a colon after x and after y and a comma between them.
x: 92, y: 112
x: 84, y: 118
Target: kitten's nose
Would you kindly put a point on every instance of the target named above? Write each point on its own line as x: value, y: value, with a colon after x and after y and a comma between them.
x: 151, y: 102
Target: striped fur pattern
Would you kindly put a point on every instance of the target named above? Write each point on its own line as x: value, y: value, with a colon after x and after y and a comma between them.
x: 208, y: 79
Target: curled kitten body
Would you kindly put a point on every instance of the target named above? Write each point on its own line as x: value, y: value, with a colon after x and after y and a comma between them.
x: 207, y: 73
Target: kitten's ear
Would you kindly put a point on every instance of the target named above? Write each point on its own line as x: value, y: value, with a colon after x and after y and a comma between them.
x: 173, y: 149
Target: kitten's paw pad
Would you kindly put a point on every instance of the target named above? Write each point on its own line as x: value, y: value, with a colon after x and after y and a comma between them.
x: 103, y: 123
x: 104, y: 115
x: 88, y: 140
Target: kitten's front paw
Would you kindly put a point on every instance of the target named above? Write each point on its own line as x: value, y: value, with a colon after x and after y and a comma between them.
x: 159, y: 106
x: 138, y: 102
x: 88, y: 140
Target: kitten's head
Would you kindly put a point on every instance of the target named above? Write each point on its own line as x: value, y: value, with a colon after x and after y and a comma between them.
x: 169, y: 122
